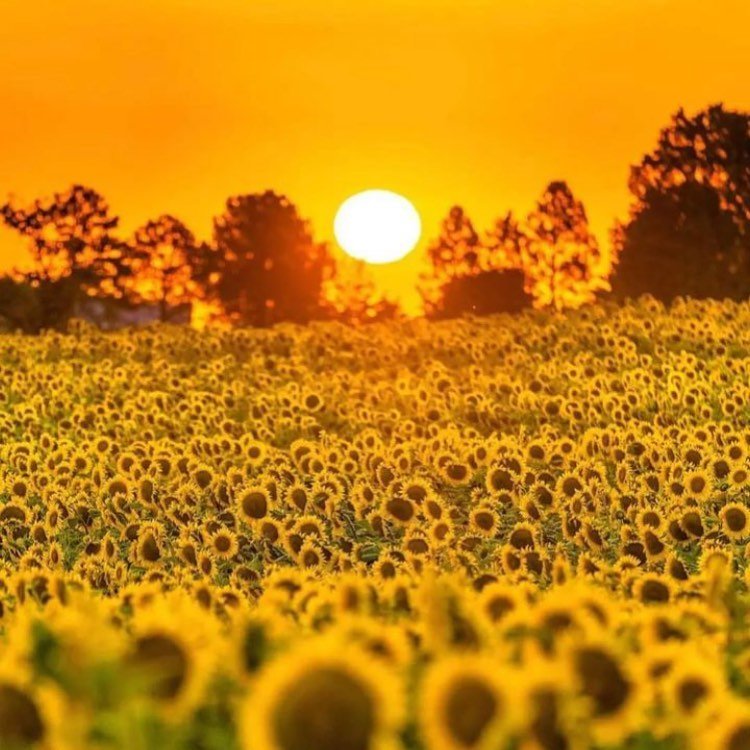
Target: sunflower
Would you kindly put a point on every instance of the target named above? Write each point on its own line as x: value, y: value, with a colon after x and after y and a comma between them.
x: 362, y: 496
x: 603, y: 680
x: 651, y: 588
x: 654, y: 664
x: 691, y: 523
x: 417, y: 490
x: 590, y: 566
x: 255, y: 635
x: 715, y: 560
x: 148, y: 549
x: 730, y: 729
x: 223, y: 544
x: 353, y: 594
x: 117, y: 487
x: 675, y: 568
x: 593, y: 536
x: 465, y: 703
x: 498, y: 600
x: 561, y: 571
x: 739, y: 478
x: 542, y: 496
x: 255, y: 451
x: 675, y: 530
x: 456, y: 473
x: 384, y: 641
x: 434, y: 507
x: 510, y: 559
x: 19, y: 488
x: 735, y: 521
x: 206, y: 564
x: 694, y: 686
x: 654, y: 547
x: 483, y: 521
x: 500, y: 482
x: 399, y: 510
x: 187, y: 550
x: 54, y: 555
x: 446, y: 609
x: 14, y: 511
x: 570, y: 485
x: 244, y: 578
x: 33, y: 716
x: 173, y: 652
x: 736, y: 453
x: 309, y: 526
x: 108, y: 548
x: 387, y: 565
x: 523, y: 536
x: 253, y: 504
x: 311, y: 555
x: 319, y: 696
x: 441, y: 533
x: 693, y: 454
x: 560, y: 614
x: 650, y: 518
x: 554, y: 720
x: 698, y: 484
x: 203, y: 476
x: 536, y: 451
x: 416, y: 544
x: 313, y: 402
x: 296, y: 496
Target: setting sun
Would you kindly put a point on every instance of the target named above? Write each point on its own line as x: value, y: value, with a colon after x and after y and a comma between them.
x: 377, y: 226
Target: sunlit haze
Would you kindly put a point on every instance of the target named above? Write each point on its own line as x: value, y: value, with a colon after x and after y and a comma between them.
x: 174, y: 105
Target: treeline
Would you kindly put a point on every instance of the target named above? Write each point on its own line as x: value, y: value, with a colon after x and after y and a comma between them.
x: 550, y: 259
x: 263, y: 266
x: 687, y: 233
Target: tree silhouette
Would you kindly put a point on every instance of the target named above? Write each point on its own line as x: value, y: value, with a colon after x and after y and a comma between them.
x: 712, y: 148
x: 74, y: 251
x: 689, y: 226
x: 168, y: 266
x: 681, y: 242
x: 468, y: 275
x: 267, y: 267
x: 560, y: 256
x: 453, y: 253
x: 457, y: 249
x: 503, y: 244
x: 351, y: 296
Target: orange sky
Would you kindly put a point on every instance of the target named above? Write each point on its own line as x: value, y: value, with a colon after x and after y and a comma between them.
x: 172, y: 105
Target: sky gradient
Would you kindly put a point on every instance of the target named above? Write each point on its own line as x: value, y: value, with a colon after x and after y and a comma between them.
x: 170, y: 106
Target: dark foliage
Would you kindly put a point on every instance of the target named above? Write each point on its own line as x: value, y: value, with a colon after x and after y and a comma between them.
x: 681, y: 242
x: 74, y: 250
x: 559, y: 254
x: 268, y: 268
x: 689, y: 227
x: 458, y: 255
x: 484, y: 293
x: 169, y: 267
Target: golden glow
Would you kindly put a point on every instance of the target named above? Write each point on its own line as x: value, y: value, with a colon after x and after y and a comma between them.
x: 171, y: 106
x: 377, y: 226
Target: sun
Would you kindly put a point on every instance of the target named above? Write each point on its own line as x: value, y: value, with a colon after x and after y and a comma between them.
x: 377, y: 226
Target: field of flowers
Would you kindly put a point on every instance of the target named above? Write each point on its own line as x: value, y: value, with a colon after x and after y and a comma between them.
x: 525, y: 532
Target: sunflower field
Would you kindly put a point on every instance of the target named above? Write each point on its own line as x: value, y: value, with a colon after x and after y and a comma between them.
x: 525, y: 532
